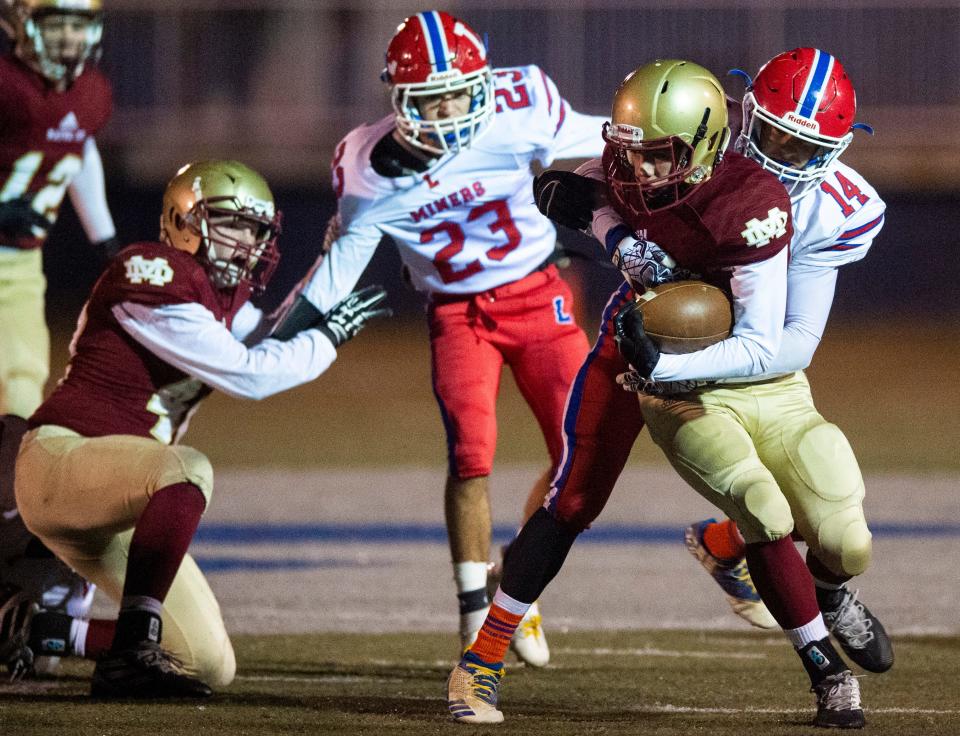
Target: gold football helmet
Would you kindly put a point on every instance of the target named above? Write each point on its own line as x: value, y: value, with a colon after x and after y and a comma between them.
x: 223, y: 213
x: 668, y: 130
x: 55, y: 38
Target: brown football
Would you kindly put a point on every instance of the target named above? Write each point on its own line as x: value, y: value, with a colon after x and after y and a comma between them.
x: 685, y: 316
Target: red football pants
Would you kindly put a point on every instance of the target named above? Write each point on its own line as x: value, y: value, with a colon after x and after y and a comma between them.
x: 600, y: 425
x: 527, y: 325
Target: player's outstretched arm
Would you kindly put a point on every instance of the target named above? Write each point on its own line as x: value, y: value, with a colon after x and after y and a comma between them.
x: 342, y: 322
x: 567, y: 198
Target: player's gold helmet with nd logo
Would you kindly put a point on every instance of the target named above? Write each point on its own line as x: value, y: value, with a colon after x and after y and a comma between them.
x: 668, y: 130
x: 223, y: 212
x: 55, y: 38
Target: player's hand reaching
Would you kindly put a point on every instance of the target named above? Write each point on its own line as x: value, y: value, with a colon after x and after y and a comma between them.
x: 645, y: 264
x: 18, y: 219
x: 567, y: 198
x: 634, y: 344
x: 348, y: 317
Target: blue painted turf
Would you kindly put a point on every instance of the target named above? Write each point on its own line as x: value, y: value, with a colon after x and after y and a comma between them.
x: 436, y: 533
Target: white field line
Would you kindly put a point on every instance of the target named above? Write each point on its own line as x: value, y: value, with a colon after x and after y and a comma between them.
x: 653, y: 652
x: 657, y: 708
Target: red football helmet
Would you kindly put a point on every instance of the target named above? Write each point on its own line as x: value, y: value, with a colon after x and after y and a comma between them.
x: 431, y: 54
x: 798, y: 116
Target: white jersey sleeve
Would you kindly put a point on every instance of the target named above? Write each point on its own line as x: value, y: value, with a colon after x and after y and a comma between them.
x: 759, y: 303
x: 559, y: 131
x: 836, y: 222
x: 89, y: 198
x: 810, y: 292
x: 189, y: 337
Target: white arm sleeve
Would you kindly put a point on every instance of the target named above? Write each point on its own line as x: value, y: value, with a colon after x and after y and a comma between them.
x: 809, y: 298
x: 335, y: 274
x: 579, y: 135
x: 759, y: 303
x: 189, y: 337
x: 89, y: 197
x: 245, y: 321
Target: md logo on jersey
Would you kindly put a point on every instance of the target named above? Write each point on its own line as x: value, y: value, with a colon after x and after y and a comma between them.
x: 562, y: 317
x: 69, y: 130
x: 155, y: 271
x: 760, y: 232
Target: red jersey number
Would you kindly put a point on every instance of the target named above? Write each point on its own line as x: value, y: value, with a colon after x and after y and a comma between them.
x: 503, y: 223
x: 516, y: 98
x: 851, y: 192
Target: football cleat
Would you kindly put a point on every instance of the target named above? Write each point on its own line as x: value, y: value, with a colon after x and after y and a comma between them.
x: 859, y: 632
x: 838, y: 702
x: 16, y: 613
x: 528, y: 641
x: 143, y: 672
x: 732, y: 577
x: 472, y: 691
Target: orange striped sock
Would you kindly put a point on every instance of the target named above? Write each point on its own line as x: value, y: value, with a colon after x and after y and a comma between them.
x: 495, y: 634
x: 723, y: 540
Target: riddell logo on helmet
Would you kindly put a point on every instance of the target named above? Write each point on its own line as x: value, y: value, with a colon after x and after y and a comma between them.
x: 811, y: 124
x: 443, y: 76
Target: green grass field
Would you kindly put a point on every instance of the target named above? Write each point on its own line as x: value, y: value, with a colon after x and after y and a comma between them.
x: 638, y: 682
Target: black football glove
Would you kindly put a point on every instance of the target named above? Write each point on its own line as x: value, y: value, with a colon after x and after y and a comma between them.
x: 18, y: 219
x: 567, y: 198
x: 348, y: 317
x: 635, y: 346
x: 108, y: 248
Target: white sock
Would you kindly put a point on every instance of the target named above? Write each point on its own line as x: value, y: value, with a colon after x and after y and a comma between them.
x: 815, y: 630
x: 78, y: 636
x: 470, y: 576
x: 510, y: 605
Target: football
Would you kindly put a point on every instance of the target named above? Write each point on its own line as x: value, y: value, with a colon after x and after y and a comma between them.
x: 685, y: 316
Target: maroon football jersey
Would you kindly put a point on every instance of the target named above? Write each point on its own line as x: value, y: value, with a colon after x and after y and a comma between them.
x: 113, y: 384
x: 42, y: 134
x: 740, y: 215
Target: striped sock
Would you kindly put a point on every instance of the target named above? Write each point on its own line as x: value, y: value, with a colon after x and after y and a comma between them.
x: 495, y: 634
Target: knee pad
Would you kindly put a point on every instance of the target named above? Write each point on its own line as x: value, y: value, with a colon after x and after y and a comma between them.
x: 726, y: 470
x: 183, y: 464
x: 844, y: 543
x: 825, y: 462
x: 765, y: 515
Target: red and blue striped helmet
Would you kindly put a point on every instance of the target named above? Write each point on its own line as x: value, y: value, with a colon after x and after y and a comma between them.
x: 806, y: 93
x: 434, y: 53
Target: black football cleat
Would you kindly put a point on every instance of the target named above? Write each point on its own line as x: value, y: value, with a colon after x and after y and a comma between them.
x: 146, y: 671
x: 859, y: 632
x: 16, y: 614
x: 838, y: 702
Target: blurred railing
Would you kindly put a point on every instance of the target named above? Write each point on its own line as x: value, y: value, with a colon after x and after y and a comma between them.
x: 278, y: 82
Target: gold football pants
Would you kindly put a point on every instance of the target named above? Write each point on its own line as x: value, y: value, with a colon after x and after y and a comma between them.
x: 24, y: 340
x: 82, y: 496
x: 763, y: 455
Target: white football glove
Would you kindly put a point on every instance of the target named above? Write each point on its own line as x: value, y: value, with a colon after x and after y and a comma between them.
x: 645, y: 264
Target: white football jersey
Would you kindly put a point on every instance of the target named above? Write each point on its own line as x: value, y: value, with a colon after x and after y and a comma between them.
x: 468, y: 223
x: 835, y: 223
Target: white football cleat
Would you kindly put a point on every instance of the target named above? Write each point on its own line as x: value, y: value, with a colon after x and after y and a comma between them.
x: 472, y: 692
x: 529, y: 642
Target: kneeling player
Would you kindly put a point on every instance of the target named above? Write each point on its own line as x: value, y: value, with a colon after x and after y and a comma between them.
x: 100, y: 479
